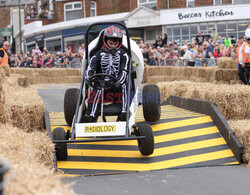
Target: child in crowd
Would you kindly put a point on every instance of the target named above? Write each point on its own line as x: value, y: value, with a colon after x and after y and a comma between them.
x: 211, y: 60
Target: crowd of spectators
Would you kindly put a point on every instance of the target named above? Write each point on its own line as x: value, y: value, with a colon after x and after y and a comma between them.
x: 46, y: 59
x: 203, y: 50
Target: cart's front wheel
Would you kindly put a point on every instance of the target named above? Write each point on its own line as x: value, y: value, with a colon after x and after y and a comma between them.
x: 145, y: 145
x: 61, y: 148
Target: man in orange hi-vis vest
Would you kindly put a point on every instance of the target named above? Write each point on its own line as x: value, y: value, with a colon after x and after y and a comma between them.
x: 4, y: 59
x: 243, y: 60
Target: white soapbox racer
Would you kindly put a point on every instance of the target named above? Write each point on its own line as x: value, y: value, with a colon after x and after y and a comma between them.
x: 74, y: 103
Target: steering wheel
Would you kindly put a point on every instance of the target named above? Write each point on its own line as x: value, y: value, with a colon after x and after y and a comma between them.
x: 102, y: 81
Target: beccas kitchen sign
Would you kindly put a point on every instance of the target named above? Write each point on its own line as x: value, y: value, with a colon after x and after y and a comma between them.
x: 205, y: 14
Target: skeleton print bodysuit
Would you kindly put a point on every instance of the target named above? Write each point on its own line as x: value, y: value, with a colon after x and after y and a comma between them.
x: 113, y: 64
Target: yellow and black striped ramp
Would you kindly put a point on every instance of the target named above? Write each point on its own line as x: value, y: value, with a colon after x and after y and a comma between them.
x: 182, y: 139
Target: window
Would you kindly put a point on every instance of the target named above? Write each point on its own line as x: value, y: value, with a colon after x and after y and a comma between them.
x: 185, y: 34
x: 93, y: 8
x: 54, y: 45
x: 150, y: 35
x: 148, y: 3
x: 190, y: 3
x: 217, y: 2
x: 72, y: 11
x: 51, y: 6
x: 240, y: 1
x: 177, y: 34
x: 221, y: 29
x: 203, y: 28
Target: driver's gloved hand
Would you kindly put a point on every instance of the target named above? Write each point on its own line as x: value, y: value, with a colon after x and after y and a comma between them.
x: 117, y: 84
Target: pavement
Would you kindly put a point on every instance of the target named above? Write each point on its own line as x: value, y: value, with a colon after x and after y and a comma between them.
x: 219, y: 180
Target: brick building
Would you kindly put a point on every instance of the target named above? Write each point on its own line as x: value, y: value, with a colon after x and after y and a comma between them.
x: 89, y: 8
x: 180, y: 19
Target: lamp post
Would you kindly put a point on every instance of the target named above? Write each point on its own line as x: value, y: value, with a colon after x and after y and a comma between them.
x: 20, y: 29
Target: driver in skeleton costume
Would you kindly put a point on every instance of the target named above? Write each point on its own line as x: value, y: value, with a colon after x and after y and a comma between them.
x: 113, y: 60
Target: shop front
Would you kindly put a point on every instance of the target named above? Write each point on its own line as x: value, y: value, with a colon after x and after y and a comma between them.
x: 30, y: 44
x: 53, y: 41
x: 72, y: 39
x: 183, y: 24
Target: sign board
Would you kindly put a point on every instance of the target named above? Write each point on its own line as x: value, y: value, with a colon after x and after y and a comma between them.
x: 100, y: 129
x: 5, y: 32
x: 142, y: 17
x: 213, y: 13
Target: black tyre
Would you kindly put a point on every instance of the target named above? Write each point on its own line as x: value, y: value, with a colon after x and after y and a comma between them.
x: 70, y: 102
x: 151, y: 103
x: 61, y: 148
x: 146, y: 145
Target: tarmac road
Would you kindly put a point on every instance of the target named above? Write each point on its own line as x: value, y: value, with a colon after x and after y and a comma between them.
x: 196, y: 181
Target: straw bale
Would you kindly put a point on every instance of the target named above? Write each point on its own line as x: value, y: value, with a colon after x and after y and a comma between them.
x: 144, y: 78
x: 168, y: 71
x: 54, y: 75
x: 195, y: 72
x: 2, y: 96
x: 242, y: 131
x: 23, y: 81
x: 24, y: 108
x: 30, y: 156
x: 18, y: 80
x: 155, y: 70
x: 233, y: 82
x: 210, y: 73
x: 6, y: 70
x: 202, y: 72
x: 175, y: 71
x: 58, y: 72
x: 226, y: 62
x: 232, y: 100
x: 219, y: 75
x: 188, y: 71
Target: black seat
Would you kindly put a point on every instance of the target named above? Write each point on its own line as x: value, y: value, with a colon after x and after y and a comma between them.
x: 112, y: 109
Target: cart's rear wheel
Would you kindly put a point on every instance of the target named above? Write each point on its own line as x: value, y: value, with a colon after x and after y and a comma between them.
x: 151, y: 103
x: 70, y: 102
x: 61, y: 148
x: 146, y: 145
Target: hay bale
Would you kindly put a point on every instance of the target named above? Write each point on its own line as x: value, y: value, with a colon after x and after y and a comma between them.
x: 156, y: 70
x: 24, y: 108
x: 188, y: 71
x: 232, y: 100
x: 226, y: 62
x: 6, y: 69
x: 23, y: 81
x: 144, y: 78
x: 242, y: 131
x: 2, y: 97
x: 197, y: 74
x: 49, y: 75
x: 30, y: 156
